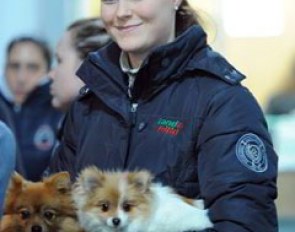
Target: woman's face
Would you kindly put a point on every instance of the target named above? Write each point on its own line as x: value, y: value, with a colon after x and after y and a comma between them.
x: 140, y: 25
x: 65, y: 84
x: 25, y: 67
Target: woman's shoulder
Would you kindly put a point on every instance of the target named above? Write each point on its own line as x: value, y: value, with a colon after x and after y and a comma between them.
x: 83, y: 103
x: 5, y: 132
x: 217, y: 82
x: 212, y: 74
x: 214, y: 65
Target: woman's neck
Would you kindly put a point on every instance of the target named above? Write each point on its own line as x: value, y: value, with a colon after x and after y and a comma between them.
x: 136, y: 58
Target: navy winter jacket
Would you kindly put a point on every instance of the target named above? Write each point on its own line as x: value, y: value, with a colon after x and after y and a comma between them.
x: 195, y: 127
x: 35, y: 124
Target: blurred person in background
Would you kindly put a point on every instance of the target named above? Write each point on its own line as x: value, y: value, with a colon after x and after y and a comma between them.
x: 80, y: 38
x: 284, y: 101
x: 25, y: 90
x: 7, y: 160
x: 159, y: 98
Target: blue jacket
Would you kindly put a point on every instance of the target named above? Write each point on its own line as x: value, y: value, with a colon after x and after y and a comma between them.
x: 5, y: 115
x: 7, y: 160
x: 35, y: 124
x: 7, y: 118
x: 195, y: 127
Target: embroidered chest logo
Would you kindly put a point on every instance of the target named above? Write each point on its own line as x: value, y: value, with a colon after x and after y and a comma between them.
x: 170, y: 127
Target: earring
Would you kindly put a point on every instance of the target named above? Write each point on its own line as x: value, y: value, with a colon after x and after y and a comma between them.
x: 176, y: 8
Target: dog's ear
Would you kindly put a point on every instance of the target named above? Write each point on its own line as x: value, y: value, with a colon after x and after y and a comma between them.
x: 16, y: 183
x: 15, y: 187
x: 60, y: 181
x: 90, y: 179
x: 141, y: 180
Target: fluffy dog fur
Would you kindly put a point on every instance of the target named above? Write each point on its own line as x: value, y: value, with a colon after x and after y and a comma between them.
x: 45, y: 206
x: 130, y: 202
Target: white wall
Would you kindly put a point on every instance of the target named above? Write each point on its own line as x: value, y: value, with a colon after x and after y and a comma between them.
x: 45, y: 19
x: 17, y: 17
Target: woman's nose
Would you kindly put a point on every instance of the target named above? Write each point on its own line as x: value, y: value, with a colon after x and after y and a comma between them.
x: 51, y: 74
x: 123, y: 9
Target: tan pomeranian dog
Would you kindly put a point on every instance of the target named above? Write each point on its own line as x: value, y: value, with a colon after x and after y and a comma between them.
x: 45, y: 206
x: 131, y: 202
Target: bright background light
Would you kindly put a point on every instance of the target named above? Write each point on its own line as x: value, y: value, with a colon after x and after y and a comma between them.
x: 253, y: 18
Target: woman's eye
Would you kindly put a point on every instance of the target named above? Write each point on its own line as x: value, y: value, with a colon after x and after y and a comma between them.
x: 116, y: 1
x: 110, y: 1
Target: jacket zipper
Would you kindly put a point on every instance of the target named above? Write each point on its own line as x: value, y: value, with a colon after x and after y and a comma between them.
x: 133, y: 114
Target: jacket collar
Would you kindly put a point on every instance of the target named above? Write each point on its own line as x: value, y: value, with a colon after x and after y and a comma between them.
x: 125, y: 65
x: 103, y: 76
x: 215, y: 65
x: 102, y: 73
x: 102, y: 69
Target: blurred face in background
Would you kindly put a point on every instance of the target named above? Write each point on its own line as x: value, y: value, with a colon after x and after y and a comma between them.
x: 65, y: 84
x: 25, y: 67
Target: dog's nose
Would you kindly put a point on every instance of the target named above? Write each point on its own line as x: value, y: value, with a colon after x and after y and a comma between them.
x: 36, y: 228
x: 116, y: 221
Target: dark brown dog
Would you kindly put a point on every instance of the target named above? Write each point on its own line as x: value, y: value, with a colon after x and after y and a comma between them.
x: 39, y: 207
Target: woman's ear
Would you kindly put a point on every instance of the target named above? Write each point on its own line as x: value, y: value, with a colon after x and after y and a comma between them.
x: 177, y: 3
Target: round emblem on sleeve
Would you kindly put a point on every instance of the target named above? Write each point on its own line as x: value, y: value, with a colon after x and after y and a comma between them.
x: 251, y: 152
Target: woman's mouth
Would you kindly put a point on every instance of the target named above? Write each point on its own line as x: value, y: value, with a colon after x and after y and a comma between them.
x: 128, y: 28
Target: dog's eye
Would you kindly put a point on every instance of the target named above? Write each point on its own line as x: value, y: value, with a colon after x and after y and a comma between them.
x: 49, y: 215
x: 104, y: 207
x: 126, y: 207
x: 25, y: 214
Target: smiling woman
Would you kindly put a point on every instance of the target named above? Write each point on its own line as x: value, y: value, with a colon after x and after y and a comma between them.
x: 159, y: 98
x: 141, y: 29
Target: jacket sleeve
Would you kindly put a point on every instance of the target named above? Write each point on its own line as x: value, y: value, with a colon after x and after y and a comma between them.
x: 237, y: 164
x: 7, y: 163
x: 64, y: 154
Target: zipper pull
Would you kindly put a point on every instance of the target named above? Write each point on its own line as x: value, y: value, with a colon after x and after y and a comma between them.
x: 133, y: 112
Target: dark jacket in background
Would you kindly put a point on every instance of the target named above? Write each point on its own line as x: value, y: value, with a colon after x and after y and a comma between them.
x: 195, y: 127
x: 35, y: 124
x: 281, y: 104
